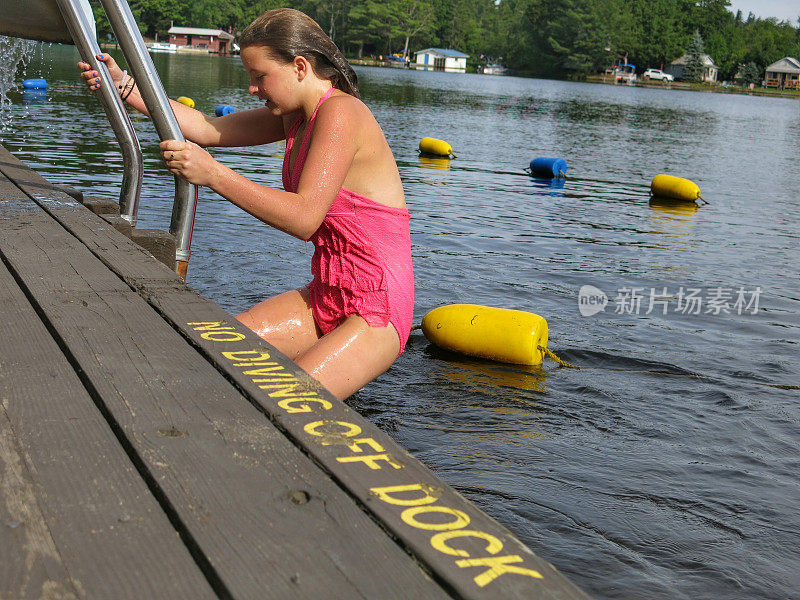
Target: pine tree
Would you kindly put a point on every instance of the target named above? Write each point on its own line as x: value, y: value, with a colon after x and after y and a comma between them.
x: 693, y: 71
x: 751, y: 74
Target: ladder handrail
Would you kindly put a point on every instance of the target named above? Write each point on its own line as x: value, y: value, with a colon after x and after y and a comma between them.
x: 155, y: 99
x: 84, y: 38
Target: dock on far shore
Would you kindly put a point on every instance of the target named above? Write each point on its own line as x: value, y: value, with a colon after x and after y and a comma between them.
x: 153, y: 447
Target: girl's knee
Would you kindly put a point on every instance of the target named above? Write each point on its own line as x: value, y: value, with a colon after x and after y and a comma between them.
x: 381, y: 344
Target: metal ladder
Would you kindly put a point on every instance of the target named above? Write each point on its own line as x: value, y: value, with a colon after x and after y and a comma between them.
x: 72, y: 21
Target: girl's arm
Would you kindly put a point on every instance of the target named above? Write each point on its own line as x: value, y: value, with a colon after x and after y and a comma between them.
x: 330, y: 155
x: 246, y: 128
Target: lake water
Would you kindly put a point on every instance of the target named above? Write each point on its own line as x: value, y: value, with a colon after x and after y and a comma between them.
x: 667, y: 467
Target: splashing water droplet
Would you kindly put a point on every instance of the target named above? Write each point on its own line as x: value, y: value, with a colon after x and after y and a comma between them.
x: 14, y: 55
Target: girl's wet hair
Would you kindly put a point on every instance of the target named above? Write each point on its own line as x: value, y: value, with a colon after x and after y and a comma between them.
x: 288, y: 33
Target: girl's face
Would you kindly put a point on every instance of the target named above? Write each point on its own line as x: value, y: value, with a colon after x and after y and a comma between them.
x: 273, y: 81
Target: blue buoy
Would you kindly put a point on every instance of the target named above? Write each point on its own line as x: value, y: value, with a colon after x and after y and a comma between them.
x: 34, y: 84
x: 545, y: 166
x: 224, y: 109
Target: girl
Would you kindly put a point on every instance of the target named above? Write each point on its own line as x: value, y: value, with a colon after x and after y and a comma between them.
x: 342, y: 192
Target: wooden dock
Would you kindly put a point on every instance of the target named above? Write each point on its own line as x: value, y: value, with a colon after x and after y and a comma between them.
x: 153, y: 447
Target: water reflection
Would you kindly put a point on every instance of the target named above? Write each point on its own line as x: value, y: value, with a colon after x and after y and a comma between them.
x: 586, y: 111
x: 431, y: 162
x: 673, y: 221
x: 34, y: 96
x: 486, y: 377
x: 674, y: 207
x: 548, y: 186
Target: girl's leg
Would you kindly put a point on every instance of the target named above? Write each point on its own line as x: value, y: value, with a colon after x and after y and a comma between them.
x: 350, y: 356
x: 285, y: 321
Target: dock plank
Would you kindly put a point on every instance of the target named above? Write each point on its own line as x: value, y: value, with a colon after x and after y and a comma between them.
x: 30, y: 573
x: 264, y: 516
x: 471, y: 554
x: 85, y: 521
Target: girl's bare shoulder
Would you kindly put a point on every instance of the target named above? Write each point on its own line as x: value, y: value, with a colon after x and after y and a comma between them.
x: 348, y: 108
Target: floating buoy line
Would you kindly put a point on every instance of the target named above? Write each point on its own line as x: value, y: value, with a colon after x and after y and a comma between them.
x: 662, y: 187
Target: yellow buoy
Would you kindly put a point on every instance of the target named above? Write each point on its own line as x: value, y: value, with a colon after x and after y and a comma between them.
x: 187, y: 101
x: 677, y: 188
x: 436, y: 147
x: 501, y: 334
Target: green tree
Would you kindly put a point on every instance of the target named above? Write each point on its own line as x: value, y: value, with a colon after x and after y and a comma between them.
x: 599, y: 31
x: 372, y: 22
x: 103, y: 27
x: 513, y: 37
x: 717, y: 26
x: 331, y: 16
x: 155, y: 16
x: 571, y: 37
x: 415, y: 18
x: 213, y: 14
x: 253, y: 8
x: 659, y: 31
x: 751, y: 74
x: 693, y: 71
x: 767, y: 40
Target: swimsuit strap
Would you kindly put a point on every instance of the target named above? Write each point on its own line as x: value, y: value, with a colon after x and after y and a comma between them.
x: 307, y: 134
x: 300, y: 159
x: 292, y: 131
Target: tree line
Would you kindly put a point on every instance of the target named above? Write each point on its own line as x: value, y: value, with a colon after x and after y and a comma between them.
x: 535, y: 37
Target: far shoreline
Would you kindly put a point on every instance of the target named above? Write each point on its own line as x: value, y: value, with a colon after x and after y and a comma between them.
x: 716, y: 88
x: 600, y: 79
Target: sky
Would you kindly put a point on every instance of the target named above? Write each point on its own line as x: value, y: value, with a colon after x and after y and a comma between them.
x: 786, y: 10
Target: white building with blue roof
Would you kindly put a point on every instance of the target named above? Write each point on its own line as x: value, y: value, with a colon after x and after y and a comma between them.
x: 441, y: 59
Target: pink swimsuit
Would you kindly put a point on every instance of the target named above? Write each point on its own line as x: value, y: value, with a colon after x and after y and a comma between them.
x: 362, y: 255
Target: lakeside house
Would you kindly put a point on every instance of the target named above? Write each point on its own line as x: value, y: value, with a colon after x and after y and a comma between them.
x: 441, y: 59
x: 710, y: 68
x: 784, y: 73
x: 198, y: 39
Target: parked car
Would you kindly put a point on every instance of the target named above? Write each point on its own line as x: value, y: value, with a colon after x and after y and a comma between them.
x: 658, y: 74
